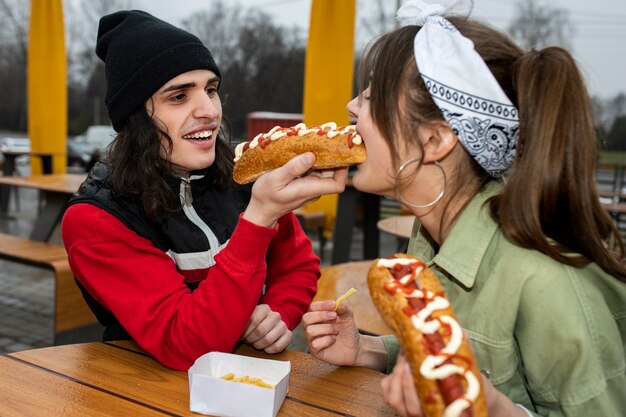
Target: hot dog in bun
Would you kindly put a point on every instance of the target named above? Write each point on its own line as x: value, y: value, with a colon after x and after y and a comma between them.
x: 412, y: 302
x: 333, y: 146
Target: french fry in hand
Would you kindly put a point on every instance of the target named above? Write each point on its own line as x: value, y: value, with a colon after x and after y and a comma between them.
x: 343, y: 297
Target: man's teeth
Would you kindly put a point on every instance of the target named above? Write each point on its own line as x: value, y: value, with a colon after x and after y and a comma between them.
x: 199, y: 135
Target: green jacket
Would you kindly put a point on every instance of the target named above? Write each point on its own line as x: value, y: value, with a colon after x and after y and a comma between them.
x: 551, y: 336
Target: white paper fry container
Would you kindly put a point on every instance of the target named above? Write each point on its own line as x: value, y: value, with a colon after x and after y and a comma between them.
x: 209, y: 394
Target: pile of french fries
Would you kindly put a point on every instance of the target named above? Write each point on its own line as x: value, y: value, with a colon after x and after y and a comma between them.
x: 247, y: 380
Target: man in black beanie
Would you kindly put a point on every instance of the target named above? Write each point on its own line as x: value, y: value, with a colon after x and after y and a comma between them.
x: 167, y: 249
x: 141, y: 54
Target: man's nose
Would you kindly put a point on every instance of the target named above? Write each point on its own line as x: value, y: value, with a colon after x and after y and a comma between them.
x: 207, y: 107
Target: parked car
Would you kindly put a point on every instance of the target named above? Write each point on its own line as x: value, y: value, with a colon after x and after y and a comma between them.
x: 16, y: 148
x: 86, y: 149
x: 15, y: 144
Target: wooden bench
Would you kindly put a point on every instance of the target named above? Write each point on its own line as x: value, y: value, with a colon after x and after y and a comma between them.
x: 70, y: 310
x: 339, y: 278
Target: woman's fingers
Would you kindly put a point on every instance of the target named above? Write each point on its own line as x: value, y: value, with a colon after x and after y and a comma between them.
x: 399, y: 390
x: 323, y: 342
x: 328, y: 305
x: 411, y: 401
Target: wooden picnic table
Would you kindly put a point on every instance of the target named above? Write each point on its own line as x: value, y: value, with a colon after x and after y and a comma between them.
x: 119, y: 379
x: 56, y: 190
x: 337, y: 279
x: 400, y: 226
x: 615, y: 207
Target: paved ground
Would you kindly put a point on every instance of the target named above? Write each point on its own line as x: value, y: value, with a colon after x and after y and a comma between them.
x: 26, y: 293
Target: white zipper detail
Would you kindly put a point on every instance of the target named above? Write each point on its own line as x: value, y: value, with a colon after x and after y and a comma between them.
x: 186, y: 200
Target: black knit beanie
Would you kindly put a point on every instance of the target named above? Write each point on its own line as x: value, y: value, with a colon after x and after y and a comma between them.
x: 141, y: 53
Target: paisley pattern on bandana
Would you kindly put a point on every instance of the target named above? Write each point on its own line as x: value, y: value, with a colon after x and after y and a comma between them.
x: 489, y: 131
x: 467, y: 101
x: 490, y: 143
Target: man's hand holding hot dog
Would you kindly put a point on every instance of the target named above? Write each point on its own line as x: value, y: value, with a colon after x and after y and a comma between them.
x: 290, y: 186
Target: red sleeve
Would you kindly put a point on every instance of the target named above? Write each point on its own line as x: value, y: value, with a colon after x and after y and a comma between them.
x: 292, y: 272
x: 140, y: 285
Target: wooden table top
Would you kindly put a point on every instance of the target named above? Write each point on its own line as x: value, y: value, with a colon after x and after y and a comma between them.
x: 400, y: 226
x: 618, y: 208
x: 337, y: 279
x: 119, y: 379
x: 619, y: 194
x: 64, y: 183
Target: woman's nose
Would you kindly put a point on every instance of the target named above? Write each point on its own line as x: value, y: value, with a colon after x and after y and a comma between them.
x: 353, y: 107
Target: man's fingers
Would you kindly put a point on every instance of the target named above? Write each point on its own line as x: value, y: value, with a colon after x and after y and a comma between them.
x: 264, y: 328
x: 297, y: 167
x: 280, y: 344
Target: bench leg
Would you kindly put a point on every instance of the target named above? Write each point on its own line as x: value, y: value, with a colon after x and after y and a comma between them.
x: 70, y: 309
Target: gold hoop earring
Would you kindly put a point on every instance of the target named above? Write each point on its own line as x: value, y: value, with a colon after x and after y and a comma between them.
x: 439, y: 197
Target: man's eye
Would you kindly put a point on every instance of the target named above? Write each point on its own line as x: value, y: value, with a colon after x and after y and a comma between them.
x: 211, y: 91
x: 177, y: 98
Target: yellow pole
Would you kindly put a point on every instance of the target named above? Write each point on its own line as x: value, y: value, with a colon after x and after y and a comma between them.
x: 328, y: 75
x: 47, y: 84
x: 329, y: 62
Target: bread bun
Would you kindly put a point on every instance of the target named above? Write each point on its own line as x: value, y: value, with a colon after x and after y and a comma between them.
x: 333, y: 146
x: 412, y: 302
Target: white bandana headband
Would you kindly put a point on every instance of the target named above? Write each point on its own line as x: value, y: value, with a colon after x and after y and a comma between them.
x: 463, y: 87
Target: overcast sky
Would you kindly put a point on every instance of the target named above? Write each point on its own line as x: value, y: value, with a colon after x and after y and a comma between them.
x: 599, y: 43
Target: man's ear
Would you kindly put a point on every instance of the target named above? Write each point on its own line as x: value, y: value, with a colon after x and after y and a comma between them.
x: 438, y: 140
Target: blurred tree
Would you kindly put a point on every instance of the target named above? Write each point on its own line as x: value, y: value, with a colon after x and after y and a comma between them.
x: 14, y: 17
x: 607, y: 110
x: 262, y: 63
x: 616, y: 139
x: 536, y: 26
x: 607, y: 114
x: 86, y: 83
x: 376, y: 17
x: 221, y: 35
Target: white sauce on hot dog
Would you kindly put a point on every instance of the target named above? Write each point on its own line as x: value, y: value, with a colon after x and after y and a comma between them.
x: 433, y: 366
x: 329, y: 129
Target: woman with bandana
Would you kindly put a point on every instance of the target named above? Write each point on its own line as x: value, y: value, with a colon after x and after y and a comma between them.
x: 493, y: 148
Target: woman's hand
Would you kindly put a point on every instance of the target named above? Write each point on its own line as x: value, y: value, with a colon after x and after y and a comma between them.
x: 331, y: 335
x: 284, y: 189
x: 399, y: 390
x: 266, y: 330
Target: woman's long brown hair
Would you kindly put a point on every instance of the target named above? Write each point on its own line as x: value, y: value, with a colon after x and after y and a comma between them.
x: 558, y: 147
x: 550, y: 202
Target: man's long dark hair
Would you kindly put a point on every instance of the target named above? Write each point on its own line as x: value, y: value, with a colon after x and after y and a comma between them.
x: 139, y: 171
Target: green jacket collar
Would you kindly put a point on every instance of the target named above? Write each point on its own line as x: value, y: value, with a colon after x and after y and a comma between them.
x: 461, y: 254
